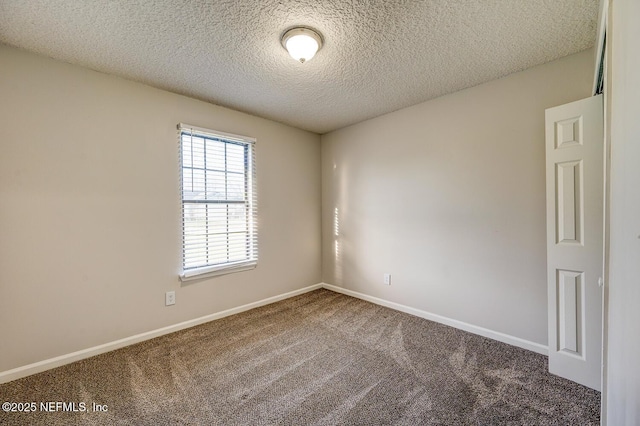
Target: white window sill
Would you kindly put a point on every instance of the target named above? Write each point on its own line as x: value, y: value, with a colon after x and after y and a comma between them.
x: 214, y: 271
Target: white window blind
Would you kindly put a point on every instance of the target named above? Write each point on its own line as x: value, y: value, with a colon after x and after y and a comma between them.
x: 219, y: 218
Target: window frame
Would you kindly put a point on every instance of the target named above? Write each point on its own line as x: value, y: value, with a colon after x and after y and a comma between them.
x: 249, y: 202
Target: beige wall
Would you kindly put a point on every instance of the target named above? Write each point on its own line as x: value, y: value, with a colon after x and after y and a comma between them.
x: 449, y: 197
x: 90, y: 212
x: 622, y: 382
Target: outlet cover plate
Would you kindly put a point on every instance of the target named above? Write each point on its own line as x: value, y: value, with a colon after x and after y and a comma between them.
x: 170, y: 298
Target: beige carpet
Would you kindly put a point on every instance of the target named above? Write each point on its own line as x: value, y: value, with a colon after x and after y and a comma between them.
x: 321, y: 358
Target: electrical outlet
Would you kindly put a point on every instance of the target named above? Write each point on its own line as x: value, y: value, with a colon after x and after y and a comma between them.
x: 387, y: 279
x: 170, y: 298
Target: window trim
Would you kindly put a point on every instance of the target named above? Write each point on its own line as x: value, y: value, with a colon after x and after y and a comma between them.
x: 230, y: 267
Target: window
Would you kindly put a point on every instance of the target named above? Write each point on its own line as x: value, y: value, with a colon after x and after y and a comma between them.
x: 219, y: 229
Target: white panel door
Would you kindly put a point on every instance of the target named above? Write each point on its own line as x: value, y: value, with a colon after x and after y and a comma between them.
x: 575, y: 188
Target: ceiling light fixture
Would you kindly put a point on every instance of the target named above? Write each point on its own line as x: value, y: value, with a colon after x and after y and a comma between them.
x: 302, y: 43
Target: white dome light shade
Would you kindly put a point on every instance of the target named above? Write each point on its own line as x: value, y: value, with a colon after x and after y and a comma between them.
x: 302, y: 47
x: 302, y: 43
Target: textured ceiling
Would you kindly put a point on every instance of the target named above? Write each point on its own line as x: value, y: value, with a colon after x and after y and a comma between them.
x: 378, y: 56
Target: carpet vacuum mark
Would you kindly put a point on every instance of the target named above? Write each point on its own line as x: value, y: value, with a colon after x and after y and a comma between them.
x: 321, y: 358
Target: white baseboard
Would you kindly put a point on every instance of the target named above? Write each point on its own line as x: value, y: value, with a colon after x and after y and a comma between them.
x: 495, y: 335
x: 47, y: 364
